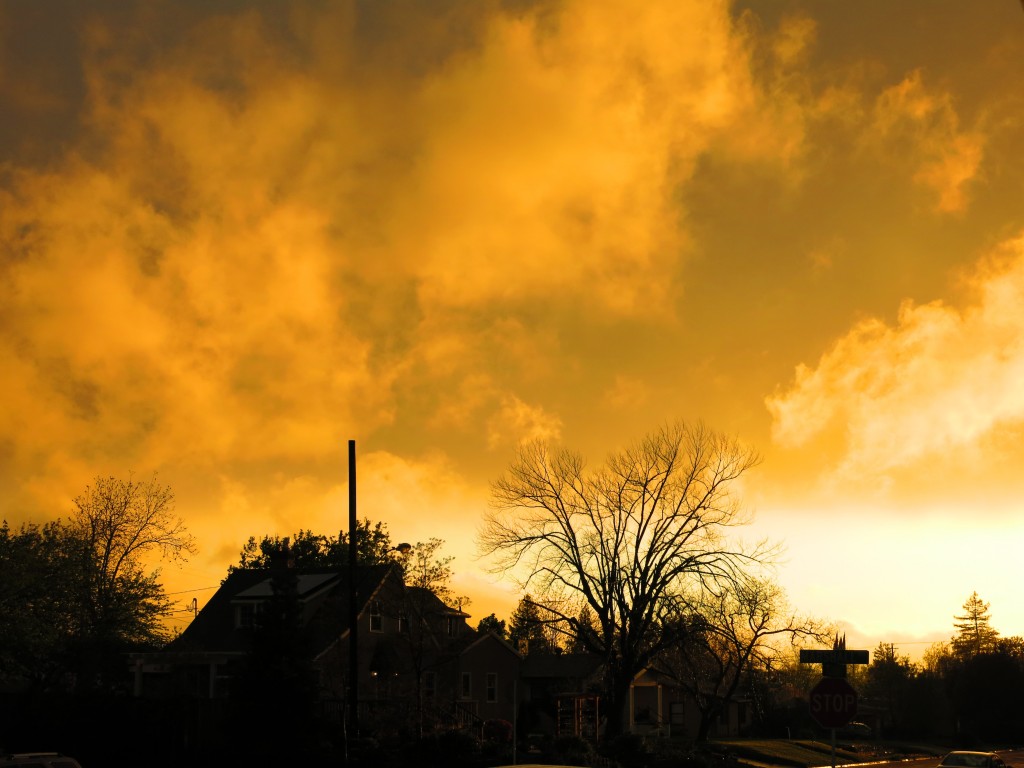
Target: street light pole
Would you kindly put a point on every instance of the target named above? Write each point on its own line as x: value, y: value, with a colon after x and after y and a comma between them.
x: 353, y: 598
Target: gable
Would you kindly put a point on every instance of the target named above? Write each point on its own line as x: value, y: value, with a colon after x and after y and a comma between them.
x: 323, y: 594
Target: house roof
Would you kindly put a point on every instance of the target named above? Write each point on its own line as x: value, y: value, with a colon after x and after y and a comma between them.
x: 428, y: 602
x: 489, y: 637
x: 572, y: 666
x: 323, y: 593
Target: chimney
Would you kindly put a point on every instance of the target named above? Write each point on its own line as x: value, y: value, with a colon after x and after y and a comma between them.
x: 281, y: 556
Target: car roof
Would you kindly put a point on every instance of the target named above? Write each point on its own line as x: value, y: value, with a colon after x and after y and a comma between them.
x: 20, y: 758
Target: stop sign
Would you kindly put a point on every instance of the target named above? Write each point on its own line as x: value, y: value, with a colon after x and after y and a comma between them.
x: 833, y: 702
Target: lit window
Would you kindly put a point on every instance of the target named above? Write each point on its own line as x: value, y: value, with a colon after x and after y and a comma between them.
x: 376, y: 617
x: 492, y: 687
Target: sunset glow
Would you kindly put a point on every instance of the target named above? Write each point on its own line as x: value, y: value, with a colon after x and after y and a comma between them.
x: 235, y: 236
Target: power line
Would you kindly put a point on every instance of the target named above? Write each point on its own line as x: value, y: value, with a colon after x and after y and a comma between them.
x: 916, y: 642
x: 197, y: 589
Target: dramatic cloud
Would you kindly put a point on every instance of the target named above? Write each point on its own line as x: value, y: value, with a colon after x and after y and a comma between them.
x: 910, y: 116
x: 234, y: 236
x: 939, y: 379
x: 274, y: 228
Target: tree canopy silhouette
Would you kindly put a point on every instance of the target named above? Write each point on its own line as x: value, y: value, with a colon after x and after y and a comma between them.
x: 82, y: 587
x: 975, y: 633
x: 637, y: 540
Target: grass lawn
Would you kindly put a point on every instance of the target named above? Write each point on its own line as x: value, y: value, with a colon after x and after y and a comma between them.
x: 801, y: 753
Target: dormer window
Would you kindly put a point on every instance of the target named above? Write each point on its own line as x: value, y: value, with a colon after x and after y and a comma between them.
x: 376, y: 617
x: 403, y: 623
x: 450, y: 626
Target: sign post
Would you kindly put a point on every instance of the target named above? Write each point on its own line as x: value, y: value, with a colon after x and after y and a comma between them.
x: 833, y: 701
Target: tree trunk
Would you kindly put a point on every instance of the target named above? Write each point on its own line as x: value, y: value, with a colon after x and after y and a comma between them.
x: 616, y: 704
x: 707, y: 717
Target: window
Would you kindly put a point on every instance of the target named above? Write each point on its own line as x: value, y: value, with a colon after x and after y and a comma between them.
x: 245, y: 615
x: 492, y: 687
x: 376, y: 617
x: 467, y: 686
x: 429, y: 684
x: 676, y: 713
x: 403, y: 623
x: 451, y: 626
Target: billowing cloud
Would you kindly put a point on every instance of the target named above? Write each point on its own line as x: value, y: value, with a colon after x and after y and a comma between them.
x: 233, y: 236
x: 518, y: 421
x: 924, y: 124
x: 939, y: 379
x: 251, y: 234
x: 626, y: 392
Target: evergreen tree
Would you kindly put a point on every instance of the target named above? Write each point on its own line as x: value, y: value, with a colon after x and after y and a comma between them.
x: 888, y: 681
x: 526, y: 628
x: 974, y: 632
x: 493, y: 624
x: 583, y: 629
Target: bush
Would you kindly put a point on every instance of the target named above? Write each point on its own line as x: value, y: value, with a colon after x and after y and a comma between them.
x: 498, y: 731
x: 626, y: 749
x: 458, y: 749
x: 573, y: 750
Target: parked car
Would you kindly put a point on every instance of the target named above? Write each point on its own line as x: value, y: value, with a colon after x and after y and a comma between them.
x: 968, y: 759
x: 856, y: 730
x: 38, y: 760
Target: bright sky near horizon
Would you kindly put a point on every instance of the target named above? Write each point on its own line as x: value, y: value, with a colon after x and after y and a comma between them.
x: 235, y: 235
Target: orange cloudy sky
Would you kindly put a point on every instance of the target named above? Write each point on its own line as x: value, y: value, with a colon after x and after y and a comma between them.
x: 235, y: 235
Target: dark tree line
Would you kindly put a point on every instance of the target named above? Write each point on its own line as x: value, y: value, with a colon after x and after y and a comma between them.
x: 76, y: 593
x: 968, y: 688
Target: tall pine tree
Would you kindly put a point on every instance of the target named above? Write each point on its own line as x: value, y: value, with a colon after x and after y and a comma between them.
x: 975, y: 634
x: 526, y: 628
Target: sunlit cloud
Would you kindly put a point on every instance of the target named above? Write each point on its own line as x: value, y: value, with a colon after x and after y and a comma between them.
x: 233, y: 238
x: 517, y: 422
x: 626, y: 392
x: 244, y: 243
x: 924, y: 123
x: 939, y: 379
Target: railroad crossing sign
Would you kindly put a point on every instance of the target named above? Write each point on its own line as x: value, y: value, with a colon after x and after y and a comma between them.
x: 832, y: 702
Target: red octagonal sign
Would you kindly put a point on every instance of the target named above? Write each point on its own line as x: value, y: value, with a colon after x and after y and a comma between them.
x: 833, y: 702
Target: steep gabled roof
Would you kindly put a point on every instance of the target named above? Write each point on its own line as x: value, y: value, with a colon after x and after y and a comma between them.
x: 323, y: 593
x: 429, y: 603
x: 484, y: 637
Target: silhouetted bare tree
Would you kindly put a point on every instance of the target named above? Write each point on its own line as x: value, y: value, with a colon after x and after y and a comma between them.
x: 728, y: 634
x: 636, y: 540
x: 116, y: 525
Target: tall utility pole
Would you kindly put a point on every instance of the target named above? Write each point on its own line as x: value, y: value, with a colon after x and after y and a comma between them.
x: 353, y: 599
